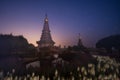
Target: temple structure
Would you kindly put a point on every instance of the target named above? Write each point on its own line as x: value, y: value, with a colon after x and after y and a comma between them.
x: 46, y: 39
x: 80, y: 41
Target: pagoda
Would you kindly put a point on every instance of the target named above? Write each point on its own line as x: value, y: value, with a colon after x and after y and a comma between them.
x: 46, y: 39
x: 80, y: 41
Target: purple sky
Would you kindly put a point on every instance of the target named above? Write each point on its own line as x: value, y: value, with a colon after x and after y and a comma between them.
x: 93, y: 19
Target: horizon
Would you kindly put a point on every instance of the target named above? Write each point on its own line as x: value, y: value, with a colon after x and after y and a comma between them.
x: 94, y: 20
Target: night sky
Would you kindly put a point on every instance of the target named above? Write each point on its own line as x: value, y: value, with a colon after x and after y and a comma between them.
x: 93, y: 19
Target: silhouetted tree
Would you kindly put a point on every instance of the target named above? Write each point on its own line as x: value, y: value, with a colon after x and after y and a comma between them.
x: 109, y: 43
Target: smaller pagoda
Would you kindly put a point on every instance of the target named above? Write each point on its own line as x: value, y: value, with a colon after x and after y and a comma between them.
x: 80, y: 41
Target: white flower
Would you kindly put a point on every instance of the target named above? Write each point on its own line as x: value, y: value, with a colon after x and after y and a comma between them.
x: 99, y: 77
x: 58, y: 78
x: 78, y: 68
x: 85, y: 72
x: 79, y: 75
x: 90, y: 65
x: 16, y: 78
x: 106, y: 78
x: 70, y: 73
x: 48, y: 78
x: 115, y: 76
x: 56, y: 72
x: 43, y: 77
x: 73, y: 78
x: 13, y: 70
x: 33, y: 74
x: 110, y: 76
x: 63, y: 78
x: 107, y: 66
x: 82, y: 69
x: 28, y: 75
x: 25, y: 78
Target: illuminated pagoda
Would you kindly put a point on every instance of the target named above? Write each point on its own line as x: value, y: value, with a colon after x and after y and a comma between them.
x: 46, y: 39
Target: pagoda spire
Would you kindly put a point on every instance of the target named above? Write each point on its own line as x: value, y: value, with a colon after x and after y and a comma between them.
x: 80, y: 41
x: 46, y: 18
x: 46, y: 39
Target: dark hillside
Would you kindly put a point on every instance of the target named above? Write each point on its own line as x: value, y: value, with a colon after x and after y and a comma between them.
x: 10, y: 44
